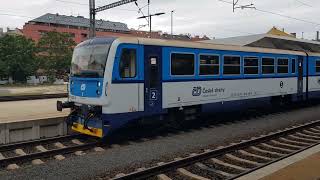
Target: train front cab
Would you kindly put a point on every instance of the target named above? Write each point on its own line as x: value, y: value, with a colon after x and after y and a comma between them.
x: 131, y: 88
x: 86, y: 87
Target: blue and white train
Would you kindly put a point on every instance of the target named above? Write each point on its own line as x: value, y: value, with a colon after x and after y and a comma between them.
x: 117, y: 80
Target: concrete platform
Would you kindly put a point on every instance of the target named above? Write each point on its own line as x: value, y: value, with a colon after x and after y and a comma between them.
x: 302, y: 166
x: 18, y: 111
x: 30, y: 120
x: 32, y: 90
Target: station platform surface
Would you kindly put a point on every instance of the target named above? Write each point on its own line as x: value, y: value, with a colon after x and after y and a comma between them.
x: 308, y: 168
x: 302, y: 166
x: 19, y: 111
x: 32, y: 90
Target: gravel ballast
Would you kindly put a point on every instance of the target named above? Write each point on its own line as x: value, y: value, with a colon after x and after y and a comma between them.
x: 135, y: 155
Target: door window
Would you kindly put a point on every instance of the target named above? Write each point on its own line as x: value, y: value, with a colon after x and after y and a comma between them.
x: 154, y: 73
x: 128, y: 63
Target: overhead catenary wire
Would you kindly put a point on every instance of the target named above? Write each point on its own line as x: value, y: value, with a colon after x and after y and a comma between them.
x: 16, y: 15
x: 84, y: 4
x: 140, y: 11
x: 303, y: 3
x: 278, y: 14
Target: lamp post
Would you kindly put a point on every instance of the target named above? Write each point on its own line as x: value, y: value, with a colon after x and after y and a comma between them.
x: 150, y: 19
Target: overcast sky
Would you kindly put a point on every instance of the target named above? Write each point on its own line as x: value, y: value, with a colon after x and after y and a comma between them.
x: 197, y: 17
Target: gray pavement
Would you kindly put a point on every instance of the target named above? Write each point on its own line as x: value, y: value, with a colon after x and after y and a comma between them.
x: 17, y: 111
x: 95, y: 165
x: 32, y: 90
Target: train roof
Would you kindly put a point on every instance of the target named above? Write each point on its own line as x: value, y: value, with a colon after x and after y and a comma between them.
x: 271, y: 41
x: 203, y: 45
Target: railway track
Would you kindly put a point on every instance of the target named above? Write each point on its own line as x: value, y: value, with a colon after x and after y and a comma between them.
x: 12, y: 155
x: 32, y: 97
x: 235, y: 160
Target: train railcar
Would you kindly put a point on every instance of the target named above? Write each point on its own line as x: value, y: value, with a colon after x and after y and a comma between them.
x: 117, y: 80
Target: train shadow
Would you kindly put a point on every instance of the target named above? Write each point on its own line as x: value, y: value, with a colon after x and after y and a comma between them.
x: 139, y: 131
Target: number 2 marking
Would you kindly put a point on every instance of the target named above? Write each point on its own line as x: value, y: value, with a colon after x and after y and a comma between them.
x: 153, y: 95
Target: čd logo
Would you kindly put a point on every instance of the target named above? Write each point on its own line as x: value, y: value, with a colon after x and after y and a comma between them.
x: 196, y: 91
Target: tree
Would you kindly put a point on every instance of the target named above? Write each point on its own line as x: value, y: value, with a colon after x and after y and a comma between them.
x: 17, y: 57
x: 55, y: 53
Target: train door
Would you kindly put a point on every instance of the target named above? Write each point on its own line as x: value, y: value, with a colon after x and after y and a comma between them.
x: 153, y: 79
x: 300, y: 77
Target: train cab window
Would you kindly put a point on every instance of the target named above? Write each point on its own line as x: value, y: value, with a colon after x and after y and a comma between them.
x: 231, y: 65
x: 293, y: 66
x: 182, y: 64
x: 209, y: 65
x: 128, y: 63
x: 267, y: 65
x: 251, y: 65
x: 283, y: 66
x: 318, y: 66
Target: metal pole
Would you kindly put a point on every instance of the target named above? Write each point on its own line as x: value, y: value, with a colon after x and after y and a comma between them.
x: 149, y: 11
x: 233, y: 5
x: 150, y: 26
x: 90, y: 16
x: 92, y: 30
x: 172, y: 24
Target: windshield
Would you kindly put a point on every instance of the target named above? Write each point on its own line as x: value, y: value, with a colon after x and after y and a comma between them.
x: 89, y: 61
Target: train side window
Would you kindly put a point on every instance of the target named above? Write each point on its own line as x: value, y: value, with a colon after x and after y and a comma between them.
x: 283, y: 66
x: 209, y: 65
x: 267, y: 65
x: 293, y: 66
x: 231, y: 65
x: 128, y: 63
x: 182, y: 64
x: 251, y: 65
x: 318, y: 66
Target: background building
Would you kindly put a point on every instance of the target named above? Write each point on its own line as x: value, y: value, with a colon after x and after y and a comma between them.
x: 78, y: 28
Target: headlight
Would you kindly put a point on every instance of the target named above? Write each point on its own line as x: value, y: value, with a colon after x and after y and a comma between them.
x: 99, y: 84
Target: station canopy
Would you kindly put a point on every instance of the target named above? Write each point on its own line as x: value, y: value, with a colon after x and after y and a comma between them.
x: 274, y: 39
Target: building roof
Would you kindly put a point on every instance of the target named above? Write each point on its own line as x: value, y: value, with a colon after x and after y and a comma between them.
x: 80, y: 21
x: 270, y: 41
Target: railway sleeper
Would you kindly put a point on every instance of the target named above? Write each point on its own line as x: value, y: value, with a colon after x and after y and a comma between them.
x: 303, y: 137
x: 286, y: 144
x: 315, y: 130
x: 295, y: 142
x: 163, y: 177
x: 235, y: 158
x: 216, y: 172
x: 254, y: 155
x: 20, y: 152
x: 41, y: 148
x: 2, y: 157
x: 311, y: 134
x: 228, y: 165
x: 254, y: 148
x: 12, y: 167
x: 277, y: 148
x: 188, y: 174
